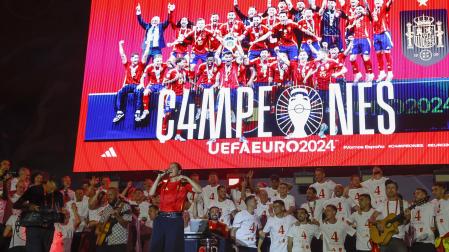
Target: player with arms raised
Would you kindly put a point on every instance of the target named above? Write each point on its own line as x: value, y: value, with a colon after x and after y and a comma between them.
x: 382, y: 38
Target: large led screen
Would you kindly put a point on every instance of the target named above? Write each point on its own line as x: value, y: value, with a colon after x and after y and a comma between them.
x: 230, y: 84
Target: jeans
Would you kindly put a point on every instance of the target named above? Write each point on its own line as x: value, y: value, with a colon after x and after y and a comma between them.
x: 38, y: 239
x: 168, y: 234
x: 124, y: 91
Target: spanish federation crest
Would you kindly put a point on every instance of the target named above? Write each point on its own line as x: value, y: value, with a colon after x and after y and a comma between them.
x: 424, y: 36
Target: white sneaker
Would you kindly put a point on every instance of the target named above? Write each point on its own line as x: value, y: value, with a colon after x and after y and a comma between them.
x: 323, y: 128
x: 118, y: 117
x: 179, y: 138
x: 207, y: 115
x: 144, y: 115
x: 137, y: 116
x: 212, y: 140
x: 233, y: 117
x: 335, y: 130
x: 389, y: 76
x: 243, y: 139
x: 381, y: 76
x: 369, y: 77
x: 198, y: 114
x: 357, y: 77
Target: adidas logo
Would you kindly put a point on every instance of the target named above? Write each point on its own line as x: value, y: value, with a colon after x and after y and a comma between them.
x: 109, y: 153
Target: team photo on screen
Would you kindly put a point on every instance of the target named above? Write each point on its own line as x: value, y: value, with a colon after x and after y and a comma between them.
x: 264, y: 84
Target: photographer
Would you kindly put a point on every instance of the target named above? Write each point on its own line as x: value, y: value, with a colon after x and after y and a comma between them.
x: 47, y: 201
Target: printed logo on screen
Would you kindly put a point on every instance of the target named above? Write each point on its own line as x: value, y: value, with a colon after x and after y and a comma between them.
x: 299, y: 112
x: 424, y: 36
x: 110, y: 153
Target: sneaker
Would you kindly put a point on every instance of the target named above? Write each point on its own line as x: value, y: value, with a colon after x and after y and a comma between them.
x: 369, y: 77
x: 198, y: 114
x: 389, y: 76
x: 382, y: 76
x: 357, y: 77
x: 179, y: 138
x: 243, y: 139
x: 212, y: 140
x: 323, y: 129
x: 118, y: 117
x: 137, y: 116
x: 335, y: 130
x: 144, y: 115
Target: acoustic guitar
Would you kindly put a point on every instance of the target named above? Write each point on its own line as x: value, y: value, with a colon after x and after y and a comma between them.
x: 105, y: 229
x: 389, y: 225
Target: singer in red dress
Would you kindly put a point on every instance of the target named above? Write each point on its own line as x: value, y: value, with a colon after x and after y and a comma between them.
x: 168, y: 234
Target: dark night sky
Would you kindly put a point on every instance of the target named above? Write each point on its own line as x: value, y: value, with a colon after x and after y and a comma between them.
x: 42, y: 56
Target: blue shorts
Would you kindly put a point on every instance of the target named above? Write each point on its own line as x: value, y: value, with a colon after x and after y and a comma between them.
x: 333, y: 40
x: 382, y: 41
x: 178, y: 55
x: 178, y: 102
x: 291, y: 51
x: 205, y: 86
x: 309, y: 52
x: 233, y: 96
x: 155, y: 88
x: 196, y: 57
x: 253, y: 54
x: 361, y: 46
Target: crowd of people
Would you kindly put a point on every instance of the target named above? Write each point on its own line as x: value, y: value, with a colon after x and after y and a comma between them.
x: 281, y: 47
x: 254, y: 216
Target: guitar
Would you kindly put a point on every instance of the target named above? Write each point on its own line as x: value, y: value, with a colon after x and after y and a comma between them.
x: 105, y: 229
x: 389, y: 225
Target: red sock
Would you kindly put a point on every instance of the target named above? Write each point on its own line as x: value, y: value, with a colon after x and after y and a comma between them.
x: 368, y: 66
x: 380, y: 60
x: 146, y: 101
x: 355, y: 67
x: 389, y: 61
x: 273, y: 94
x: 165, y: 124
x: 178, y: 132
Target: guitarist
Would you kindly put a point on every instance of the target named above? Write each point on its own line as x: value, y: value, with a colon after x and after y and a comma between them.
x: 396, y: 205
x: 118, y: 213
x: 422, y: 223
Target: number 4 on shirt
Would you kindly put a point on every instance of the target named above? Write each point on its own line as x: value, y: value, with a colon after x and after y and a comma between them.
x: 334, y: 237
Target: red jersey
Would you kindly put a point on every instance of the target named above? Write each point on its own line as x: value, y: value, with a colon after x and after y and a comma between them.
x: 178, y: 85
x: 236, y: 29
x: 214, y: 43
x: 173, y: 195
x: 133, y: 73
x: 206, y: 74
x: 262, y: 69
x: 279, y: 75
x: 270, y: 23
x: 199, y: 41
x: 181, y: 34
x: 312, y: 26
x: 242, y: 74
x: 229, y: 75
x: 300, y: 72
x: 155, y: 74
x: 254, y: 33
x: 383, y: 19
x: 361, y: 26
x: 323, y: 75
x: 286, y: 33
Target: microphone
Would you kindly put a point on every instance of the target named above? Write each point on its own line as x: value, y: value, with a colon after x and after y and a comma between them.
x: 162, y: 172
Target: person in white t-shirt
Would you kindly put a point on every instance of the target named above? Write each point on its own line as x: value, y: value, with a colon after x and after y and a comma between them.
x: 209, y: 192
x: 277, y: 227
x: 226, y: 206
x: 342, y: 203
x: 196, y: 208
x: 376, y: 186
x: 67, y: 193
x: 422, y: 223
x: 245, y: 226
x: 147, y: 183
x: 63, y: 235
x: 314, y: 205
x: 441, y: 203
x: 288, y: 199
x: 18, y: 236
x: 264, y: 206
x: 323, y: 186
x: 24, y: 176
x: 334, y: 231
x: 242, y: 190
x: 301, y: 233
x: 272, y: 190
x: 361, y: 220
x: 395, y: 205
x: 354, y: 190
x: 82, y: 206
